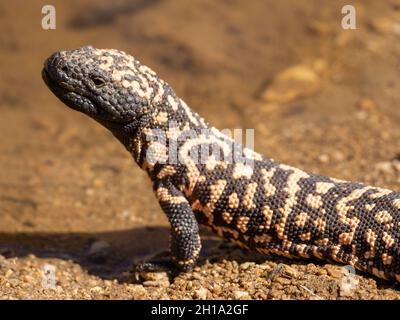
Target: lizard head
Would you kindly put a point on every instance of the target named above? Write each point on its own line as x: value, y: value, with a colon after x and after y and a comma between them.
x: 108, y: 85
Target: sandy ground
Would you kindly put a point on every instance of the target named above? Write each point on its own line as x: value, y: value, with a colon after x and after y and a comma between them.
x: 76, y: 213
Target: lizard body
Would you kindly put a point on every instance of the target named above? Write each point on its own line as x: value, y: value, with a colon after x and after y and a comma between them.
x: 201, y: 176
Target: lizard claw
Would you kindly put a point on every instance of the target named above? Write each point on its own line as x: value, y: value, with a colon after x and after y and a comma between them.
x: 155, y: 265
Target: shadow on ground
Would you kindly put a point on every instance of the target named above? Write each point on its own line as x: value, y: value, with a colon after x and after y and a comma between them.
x: 104, y: 254
x: 109, y: 255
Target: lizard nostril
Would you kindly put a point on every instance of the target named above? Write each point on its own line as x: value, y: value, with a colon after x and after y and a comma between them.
x: 55, y: 59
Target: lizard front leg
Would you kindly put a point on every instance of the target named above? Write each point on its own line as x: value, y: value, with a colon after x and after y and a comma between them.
x: 185, y: 241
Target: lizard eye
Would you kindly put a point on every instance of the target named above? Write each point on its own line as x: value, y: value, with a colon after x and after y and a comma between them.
x: 98, y: 81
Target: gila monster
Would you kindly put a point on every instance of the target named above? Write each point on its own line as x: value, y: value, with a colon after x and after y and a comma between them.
x: 242, y: 196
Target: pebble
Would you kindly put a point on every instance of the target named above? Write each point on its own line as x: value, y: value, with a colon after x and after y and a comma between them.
x: 275, y: 294
x: 396, y: 165
x: 201, y: 293
x: 89, y: 192
x: 3, y: 262
x: 384, y: 167
x: 323, y: 158
x: 366, y: 104
x: 320, y: 28
x: 99, y: 251
x: 246, y: 265
x: 338, y: 156
x: 96, y: 289
x: 154, y: 276
x: 216, y: 289
x: 281, y: 280
x: 344, y: 38
x: 8, y: 273
x: 284, y: 270
x: 125, y: 214
x: 361, y: 115
x: 383, y: 25
x: 241, y: 295
x: 334, y: 271
x: 322, y: 272
x: 196, y: 276
x: 161, y: 283
x: 396, y: 28
x: 294, y: 82
x: 14, y: 282
x: 98, y: 183
x: 29, y: 279
x: 347, y: 290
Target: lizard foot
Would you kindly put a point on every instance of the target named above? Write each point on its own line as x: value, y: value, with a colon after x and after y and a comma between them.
x: 161, y: 264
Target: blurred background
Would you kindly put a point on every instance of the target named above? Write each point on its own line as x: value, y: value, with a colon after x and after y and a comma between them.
x: 319, y: 97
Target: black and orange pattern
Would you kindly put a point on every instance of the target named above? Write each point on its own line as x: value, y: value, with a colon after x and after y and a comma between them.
x: 258, y: 203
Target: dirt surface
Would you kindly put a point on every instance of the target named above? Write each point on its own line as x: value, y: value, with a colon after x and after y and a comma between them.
x: 76, y: 212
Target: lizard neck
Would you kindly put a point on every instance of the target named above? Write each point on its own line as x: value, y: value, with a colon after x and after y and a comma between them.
x: 156, y: 138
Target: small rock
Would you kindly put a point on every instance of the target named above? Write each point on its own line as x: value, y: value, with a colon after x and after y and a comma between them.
x: 201, y: 293
x: 78, y: 204
x: 241, y: 295
x: 246, y: 265
x: 96, y: 289
x: 396, y: 164
x: 89, y: 192
x: 98, y: 246
x: 125, y: 214
x: 281, y: 280
x: 323, y: 158
x: 294, y: 82
x: 366, y: 104
x: 98, y: 183
x: 320, y: 28
x: 14, y: 282
x: 154, y: 276
x: 4, y: 263
x: 8, y: 273
x: 29, y: 279
x: 216, y: 289
x: 396, y: 28
x: 161, y: 283
x: 99, y: 251
x: 87, y: 296
x: 348, y: 289
x: 384, y: 167
x: 382, y: 25
x: 344, y: 38
x: 334, y: 271
x: 196, y: 276
x: 361, y: 115
x: 338, y: 156
x: 283, y: 270
x: 322, y: 272
x: 275, y: 294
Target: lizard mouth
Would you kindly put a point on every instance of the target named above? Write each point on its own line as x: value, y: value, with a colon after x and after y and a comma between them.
x: 77, y: 95
x: 68, y: 95
x: 75, y: 99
